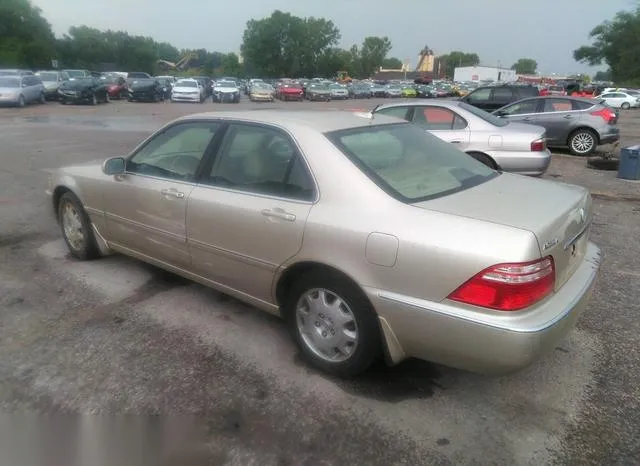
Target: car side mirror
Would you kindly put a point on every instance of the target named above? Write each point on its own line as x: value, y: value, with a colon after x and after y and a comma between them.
x: 114, y: 166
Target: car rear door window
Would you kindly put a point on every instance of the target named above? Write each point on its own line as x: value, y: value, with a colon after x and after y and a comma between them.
x: 522, y: 108
x: 261, y: 160
x: 175, y: 153
x: 435, y: 118
x: 557, y: 105
x: 398, y: 112
x: 501, y: 94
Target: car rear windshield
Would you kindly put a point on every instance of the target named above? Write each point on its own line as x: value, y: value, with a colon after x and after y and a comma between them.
x: 488, y: 117
x: 409, y: 163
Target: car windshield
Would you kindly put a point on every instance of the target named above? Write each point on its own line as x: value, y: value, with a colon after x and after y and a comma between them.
x: 409, y: 163
x: 186, y: 84
x: 321, y: 87
x: 226, y: 84
x: 49, y: 77
x: 9, y: 82
x: 488, y: 117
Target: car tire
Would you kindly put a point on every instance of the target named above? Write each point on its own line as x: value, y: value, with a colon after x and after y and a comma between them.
x: 107, y: 99
x: 76, y: 228
x: 21, y: 102
x: 485, y: 159
x: 626, y: 106
x: 582, y: 142
x: 315, y: 330
x: 43, y: 98
x: 94, y: 100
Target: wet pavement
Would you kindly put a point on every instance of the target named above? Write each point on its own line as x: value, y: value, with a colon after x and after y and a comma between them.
x: 117, y: 336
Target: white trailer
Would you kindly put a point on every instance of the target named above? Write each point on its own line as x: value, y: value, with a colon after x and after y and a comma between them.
x: 483, y: 73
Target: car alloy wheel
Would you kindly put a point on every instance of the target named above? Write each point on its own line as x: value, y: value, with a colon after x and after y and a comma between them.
x: 107, y: 98
x: 626, y: 106
x: 582, y: 142
x: 333, y: 323
x: 76, y: 227
x: 327, y: 325
x: 94, y: 100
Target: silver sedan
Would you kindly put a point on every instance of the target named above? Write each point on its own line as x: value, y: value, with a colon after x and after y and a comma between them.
x: 512, y: 147
x: 370, y: 237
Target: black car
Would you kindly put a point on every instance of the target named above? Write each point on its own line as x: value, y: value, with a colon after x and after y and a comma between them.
x: 146, y: 90
x: 492, y: 98
x: 90, y: 90
x: 167, y: 86
x: 425, y: 92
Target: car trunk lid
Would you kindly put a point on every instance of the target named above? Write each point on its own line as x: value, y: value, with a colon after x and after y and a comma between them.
x: 558, y: 214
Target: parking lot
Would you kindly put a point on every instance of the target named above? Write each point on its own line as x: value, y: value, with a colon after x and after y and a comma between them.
x: 115, y: 335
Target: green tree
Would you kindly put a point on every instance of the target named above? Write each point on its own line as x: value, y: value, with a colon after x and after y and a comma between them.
x: 372, y: 54
x: 525, y: 66
x: 26, y: 39
x: 615, y: 42
x: 286, y: 45
x: 456, y: 59
x: 602, y: 76
x: 392, y: 63
x: 230, y: 65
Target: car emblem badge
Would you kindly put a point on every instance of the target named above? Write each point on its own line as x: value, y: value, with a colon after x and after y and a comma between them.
x: 549, y: 244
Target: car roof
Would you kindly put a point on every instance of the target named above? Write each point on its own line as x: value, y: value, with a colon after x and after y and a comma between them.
x: 320, y: 120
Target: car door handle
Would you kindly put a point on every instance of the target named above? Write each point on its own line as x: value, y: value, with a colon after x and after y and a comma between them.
x: 455, y: 141
x: 527, y: 119
x: 278, y: 213
x: 172, y: 192
x: 568, y: 117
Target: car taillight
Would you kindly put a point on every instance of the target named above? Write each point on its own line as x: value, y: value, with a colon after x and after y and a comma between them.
x: 509, y: 287
x: 539, y: 145
x: 606, y: 114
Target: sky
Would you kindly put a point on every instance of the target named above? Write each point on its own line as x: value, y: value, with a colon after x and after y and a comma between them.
x: 499, y: 31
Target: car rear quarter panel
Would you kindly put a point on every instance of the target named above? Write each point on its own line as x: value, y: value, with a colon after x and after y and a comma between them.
x: 436, y: 251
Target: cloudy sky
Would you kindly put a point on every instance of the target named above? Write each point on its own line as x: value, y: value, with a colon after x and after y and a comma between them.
x: 499, y: 31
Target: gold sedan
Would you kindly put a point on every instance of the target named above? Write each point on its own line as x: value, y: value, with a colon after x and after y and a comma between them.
x: 369, y: 236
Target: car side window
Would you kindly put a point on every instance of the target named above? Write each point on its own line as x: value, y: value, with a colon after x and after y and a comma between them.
x: 434, y: 118
x: 557, y: 105
x: 479, y: 95
x: 580, y: 105
x: 522, y: 108
x: 398, y: 112
x: 502, y: 94
x: 175, y: 153
x: 261, y: 160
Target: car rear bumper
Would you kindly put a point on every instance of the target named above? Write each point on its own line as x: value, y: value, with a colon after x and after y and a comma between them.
x: 522, y: 163
x: 610, y: 135
x: 483, y: 341
x: 186, y: 98
x: 260, y: 97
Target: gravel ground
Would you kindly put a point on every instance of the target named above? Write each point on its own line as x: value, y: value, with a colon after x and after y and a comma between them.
x: 208, y: 380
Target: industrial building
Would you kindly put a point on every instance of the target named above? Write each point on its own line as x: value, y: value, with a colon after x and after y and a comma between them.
x: 483, y: 73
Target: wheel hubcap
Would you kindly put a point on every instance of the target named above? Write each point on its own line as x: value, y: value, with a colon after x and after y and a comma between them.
x: 582, y: 142
x: 327, y: 325
x: 72, y: 226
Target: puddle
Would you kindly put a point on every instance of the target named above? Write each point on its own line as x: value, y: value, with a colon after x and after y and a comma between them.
x: 411, y: 379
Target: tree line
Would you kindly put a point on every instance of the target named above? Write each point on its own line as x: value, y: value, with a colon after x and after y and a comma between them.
x: 279, y: 45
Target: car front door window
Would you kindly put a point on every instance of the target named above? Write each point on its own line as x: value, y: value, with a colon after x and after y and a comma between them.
x: 175, y: 153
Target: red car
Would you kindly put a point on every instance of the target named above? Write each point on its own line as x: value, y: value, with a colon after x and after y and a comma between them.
x: 116, y: 87
x: 290, y: 92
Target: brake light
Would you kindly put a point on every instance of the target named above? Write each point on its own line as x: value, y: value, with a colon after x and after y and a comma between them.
x: 539, y: 145
x: 509, y: 287
x: 606, y: 114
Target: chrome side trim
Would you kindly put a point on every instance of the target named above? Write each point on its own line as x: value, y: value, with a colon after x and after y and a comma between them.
x: 142, y: 226
x: 259, y: 303
x: 232, y: 255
